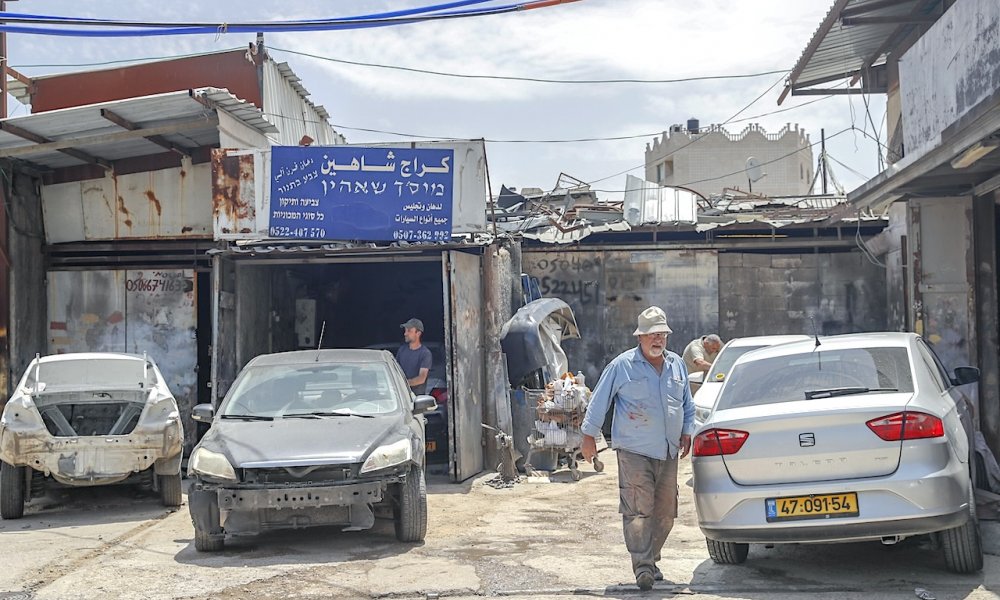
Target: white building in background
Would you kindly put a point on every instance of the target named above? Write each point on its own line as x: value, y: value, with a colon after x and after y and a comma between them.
x: 711, y: 159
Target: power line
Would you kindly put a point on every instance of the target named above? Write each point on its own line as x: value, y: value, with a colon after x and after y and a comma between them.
x: 156, y: 28
x: 738, y: 113
x: 525, y: 79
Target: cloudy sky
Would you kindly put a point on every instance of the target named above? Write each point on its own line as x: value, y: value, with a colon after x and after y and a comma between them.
x: 591, y: 39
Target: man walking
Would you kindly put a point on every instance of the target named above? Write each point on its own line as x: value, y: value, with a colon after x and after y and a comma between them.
x: 653, y: 422
x: 413, y: 357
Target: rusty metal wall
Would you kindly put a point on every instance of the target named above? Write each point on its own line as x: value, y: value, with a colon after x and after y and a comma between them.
x: 465, y: 348
x: 234, y: 210
x: 607, y: 289
x: 253, y: 312
x: 164, y: 204
x: 28, y: 328
x: 224, y: 327
x: 135, y: 311
x: 987, y: 318
x: 230, y: 70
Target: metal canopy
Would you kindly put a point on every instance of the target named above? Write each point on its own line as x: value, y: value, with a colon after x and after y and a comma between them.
x: 854, y: 36
x: 102, y: 133
x: 935, y: 173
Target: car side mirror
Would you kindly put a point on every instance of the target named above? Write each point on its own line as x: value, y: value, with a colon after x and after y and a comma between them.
x: 965, y: 375
x: 424, y: 404
x: 698, y: 377
x: 203, y: 413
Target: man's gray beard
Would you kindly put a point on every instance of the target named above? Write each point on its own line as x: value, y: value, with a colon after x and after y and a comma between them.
x: 655, y: 352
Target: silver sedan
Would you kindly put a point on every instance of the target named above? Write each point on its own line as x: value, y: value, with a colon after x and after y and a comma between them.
x: 847, y: 438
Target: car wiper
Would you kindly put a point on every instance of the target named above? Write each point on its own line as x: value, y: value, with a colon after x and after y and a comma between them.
x: 247, y: 417
x: 844, y: 391
x: 332, y: 413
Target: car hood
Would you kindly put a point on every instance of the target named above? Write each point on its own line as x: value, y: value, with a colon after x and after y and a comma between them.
x: 527, y: 339
x: 297, y: 442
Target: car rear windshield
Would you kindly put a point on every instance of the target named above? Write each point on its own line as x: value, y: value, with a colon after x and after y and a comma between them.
x: 724, y: 362
x: 817, y: 374
x: 279, y: 390
x: 86, y: 373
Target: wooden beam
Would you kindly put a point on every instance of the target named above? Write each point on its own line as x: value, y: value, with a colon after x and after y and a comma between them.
x: 18, y: 75
x: 991, y: 184
x: 156, y: 139
x: 105, y: 138
x: 826, y: 92
x: 44, y: 141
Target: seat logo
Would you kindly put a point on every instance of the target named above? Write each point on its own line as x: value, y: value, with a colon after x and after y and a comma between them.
x: 807, y: 440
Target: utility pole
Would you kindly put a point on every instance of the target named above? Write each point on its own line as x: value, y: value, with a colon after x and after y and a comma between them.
x: 822, y: 155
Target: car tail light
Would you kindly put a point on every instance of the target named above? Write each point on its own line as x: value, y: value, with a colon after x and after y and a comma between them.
x: 441, y: 395
x: 907, y: 426
x: 719, y: 442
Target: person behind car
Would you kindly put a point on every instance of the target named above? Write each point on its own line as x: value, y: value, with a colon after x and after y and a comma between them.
x: 700, y: 353
x: 653, y: 422
x: 413, y: 357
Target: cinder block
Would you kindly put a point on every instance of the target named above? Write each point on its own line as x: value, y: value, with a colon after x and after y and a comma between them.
x: 786, y: 262
x: 730, y: 259
x: 756, y: 260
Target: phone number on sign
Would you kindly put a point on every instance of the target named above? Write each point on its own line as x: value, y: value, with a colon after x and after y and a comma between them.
x: 305, y: 233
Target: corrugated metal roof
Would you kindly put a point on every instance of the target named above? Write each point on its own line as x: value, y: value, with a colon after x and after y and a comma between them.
x: 177, y: 115
x: 839, y: 50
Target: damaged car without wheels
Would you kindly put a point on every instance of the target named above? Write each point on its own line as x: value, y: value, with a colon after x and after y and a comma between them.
x: 322, y: 437
x: 89, y: 419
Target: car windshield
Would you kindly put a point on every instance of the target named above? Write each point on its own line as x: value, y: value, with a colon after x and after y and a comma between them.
x: 815, y: 375
x: 725, y: 360
x: 89, y: 373
x: 279, y: 391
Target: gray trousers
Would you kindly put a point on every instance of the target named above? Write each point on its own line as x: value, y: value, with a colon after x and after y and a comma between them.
x: 648, y: 504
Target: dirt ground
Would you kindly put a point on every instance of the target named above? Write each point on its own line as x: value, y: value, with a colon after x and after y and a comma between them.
x: 548, y: 538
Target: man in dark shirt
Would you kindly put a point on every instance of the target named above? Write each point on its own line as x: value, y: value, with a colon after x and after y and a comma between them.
x: 414, y: 358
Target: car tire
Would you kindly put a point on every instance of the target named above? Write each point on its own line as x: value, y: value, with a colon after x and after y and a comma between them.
x: 411, y: 507
x: 11, y: 491
x: 963, y: 545
x: 171, y: 489
x: 727, y: 553
x: 208, y: 542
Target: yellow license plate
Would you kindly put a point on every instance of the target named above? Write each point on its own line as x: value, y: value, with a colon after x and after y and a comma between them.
x: 431, y: 446
x: 819, y: 506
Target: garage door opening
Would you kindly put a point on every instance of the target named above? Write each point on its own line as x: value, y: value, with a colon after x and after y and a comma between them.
x: 351, y: 305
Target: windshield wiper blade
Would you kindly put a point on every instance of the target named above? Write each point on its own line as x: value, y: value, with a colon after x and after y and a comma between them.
x: 844, y: 391
x: 331, y: 413
x: 247, y: 417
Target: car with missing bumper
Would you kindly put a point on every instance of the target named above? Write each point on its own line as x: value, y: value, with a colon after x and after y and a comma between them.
x: 86, y: 419
x: 309, y: 438
x: 852, y: 438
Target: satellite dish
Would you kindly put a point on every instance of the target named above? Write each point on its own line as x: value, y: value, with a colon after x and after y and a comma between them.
x: 754, y: 172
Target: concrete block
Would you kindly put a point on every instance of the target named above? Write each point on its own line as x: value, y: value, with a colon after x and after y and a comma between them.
x: 809, y: 260
x: 786, y: 262
x: 756, y: 260
x: 730, y: 259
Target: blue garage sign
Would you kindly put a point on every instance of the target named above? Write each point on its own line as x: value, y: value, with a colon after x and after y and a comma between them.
x: 361, y: 193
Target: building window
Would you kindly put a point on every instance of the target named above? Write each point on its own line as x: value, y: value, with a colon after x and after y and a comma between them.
x: 802, y: 173
x: 659, y: 173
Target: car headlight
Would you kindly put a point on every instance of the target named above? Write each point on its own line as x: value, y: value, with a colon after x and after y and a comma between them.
x: 211, y: 464
x: 389, y: 455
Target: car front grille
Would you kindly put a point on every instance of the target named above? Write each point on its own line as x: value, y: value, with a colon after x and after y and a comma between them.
x: 316, y: 474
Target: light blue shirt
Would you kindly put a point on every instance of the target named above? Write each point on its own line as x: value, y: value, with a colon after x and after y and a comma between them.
x: 652, y: 410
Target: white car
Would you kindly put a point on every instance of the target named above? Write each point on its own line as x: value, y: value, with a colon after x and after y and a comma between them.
x: 88, y: 419
x: 862, y: 437
x: 704, y: 398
